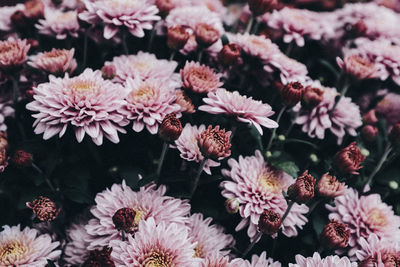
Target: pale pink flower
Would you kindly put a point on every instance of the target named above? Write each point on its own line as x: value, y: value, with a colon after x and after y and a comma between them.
x: 87, y: 103
x: 317, y: 261
x: 365, y: 215
x: 13, y: 53
x: 212, y: 5
x: 26, y: 248
x: 149, y: 202
x: 217, y: 260
x: 163, y: 244
x: 377, y: 250
x: 289, y: 68
x: 6, y: 110
x: 188, y: 146
x: 200, y: 78
x: 59, y: 24
x: 76, y: 250
x: 209, y: 239
x: 263, y: 261
x: 346, y: 117
x: 258, y: 187
x: 244, y: 109
x: 148, y: 102
x: 392, y: 4
x: 57, y: 61
x: 5, y: 16
x: 389, y: 108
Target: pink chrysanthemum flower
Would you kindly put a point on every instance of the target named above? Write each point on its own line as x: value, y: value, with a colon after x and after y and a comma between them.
x: 245, y: 109
x: 188, y: 146
x: 346, y: 117
x: 87, y: 102
x: 5, y: 16
x: 209, y: 239
x: 200, y: 78
x: 217, y: 260
x: 148, y: 202
x: 263, y: 261
x: 392, y: 4
x: 26, y: 248
x: 13, y: 53
x: 75, y: 251
x: 145, y: 66
x: 258, y: 187
x: 6, y: 110
x: 316, y: 261
x: 212, y: 5
x: 148, y: 102
x: 377, y: 251
x: 290, y: 69
x: 389, y: 108
x: 59, y: 24
x: 57, y: 61
x: 136, y: 16
x: 156, y: 244
x: 364, y: 216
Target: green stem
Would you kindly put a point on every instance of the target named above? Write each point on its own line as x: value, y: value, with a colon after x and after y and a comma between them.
x: 386, y: 153
x: 250, y: 247
x: 197, y: 177
x: 151, y: 39
x: 343, y: 92
x: 48, y: 182
x: 15, y: 80
x: 289, y: 49
x: 289, y: 207
x: 85, y: 48
x: 313, y: 206
x: 200, y: 56
x: 124, y: 44
x: 162, y: 157
x: 292, y: 123
x: 173, y: 53
x: 249, y: 25
x: 274, y: 130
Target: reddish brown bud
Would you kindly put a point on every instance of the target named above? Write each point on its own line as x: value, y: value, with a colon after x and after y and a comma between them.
x: 206, y: 34
x: 22, y: 159
x: 303, y: 188
x: 359, y: 28
x: 19, y: 20
x: 312, y: 97
x: 124, y: 219
x: 335, y: 235
x: 292, y: 93
x: 370, y: 117
x: 269, y: 222
x: 44, y: 209
x: 177, y: 37
x: 329, y: 186
x: 349, y: 159
x: 108, y: 72
x: 33, y: 43
x: 369, y: 133
x: 34, y: 9
x: 170, y: 128
x: 232, y: 205
x: 229, y: 55
x: 215, y: 143
x: 259, y: 7
x: 164, y: 6
x: 394, y: 135
x: 100, y: 258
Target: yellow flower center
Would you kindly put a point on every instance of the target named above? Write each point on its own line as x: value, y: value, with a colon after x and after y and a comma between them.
x: 141, y: 65
x: 143, y: 94
x: 11, y: 252
x: 122, y: 4
x: 82, y: 86
x: 54, y: 53
x: 157, y: 258
x: 269, y: 182
x: 377, y: 218
x: 66, y: 17
x: 198, y: 251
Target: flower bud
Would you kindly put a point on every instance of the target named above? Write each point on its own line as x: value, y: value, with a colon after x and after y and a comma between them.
x: 34, y: 9
x: 312, y: 97
x: 164, y: 6
x: 215, y: 143
x: 229, y: 55
x: 359, y: 28
x: 177, y: 37
x: 335, y: 235
x: 303, y: 188
x: 357, y: 67
x: 124, y: 219
x: 19, y: 20
x: 100, y: 258
x: 259, y: 7
x: 269, y: 222
x: 22, y: 159
x: 170, y: 128
x: 370, y: 117
x: 292, y: 93
x: 349, y: 159
x: 206, y: 34
x: 394, y: 135
x: 329, y: 186
x: 369, y: 133
x: 44, y: 209
x: 232, y: 205
x: 108, y: 72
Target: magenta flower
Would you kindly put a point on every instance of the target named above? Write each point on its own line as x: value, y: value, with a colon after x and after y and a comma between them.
x: 244, y: 109
x: 316, y: 261
x: 200, y: 78
x: 262, y: 260
x: 59, y: 24
x: 87, y: 103
x: 135, y: 16
x: 57, y: 61
x: 378, y: 251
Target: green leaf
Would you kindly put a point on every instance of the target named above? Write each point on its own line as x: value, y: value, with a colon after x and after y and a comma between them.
x: 224, y: 39
x: 318, y: 223
x: 287, y: 166
x: 78, y: 196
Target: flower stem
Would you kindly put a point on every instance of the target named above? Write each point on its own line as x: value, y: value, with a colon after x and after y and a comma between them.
x: 289, y: 207
x: 343, y: 92
x: 85, y: 48
x: 123, y: 236
x: 313, y: 206
x: 197, y: 177
x: 386, y: 153
x: 151, y: 39
x: 250, y: 247
x: 124, y: 44
x: 173, y: 53
x: 274, y: 130
x: 292, y: 123
x: 200, y: 55
x: 249, y: 25
x: 15, y: 79
x: 48, y: 182
x: 161, y: 160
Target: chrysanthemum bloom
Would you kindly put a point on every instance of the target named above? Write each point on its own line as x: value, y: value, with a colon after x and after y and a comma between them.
x: 389, y: 108
x: 349, y: 159
x: 44, y: 209
x: 177, y: 37
x: 312, y: 97
x: 6, y: 110
x: 215, y: 143
x: 258, y: 187
x: 57, y: 61
x: 259, y: 7
x: 170, y: 128
x: 75, y: 250
x: 148, y: 202
x: 229, y: 55
x: 5, y: 16
x: 329, y: 186
x: 183, y: 100
x: 87, y: 102
x: 13, y: 53
x: 100, y: 257
x: 206, y: 34
x: 289, y: 68
x: 188, y: 146
x: 26, y: 247
x: 356, y: 66
x: 244, y: 109
x: 364, y: 216
x: 269, y: 222
x: 335, y: 235
x: 22, y: 158
x: 344, y: 119
x: 162, y: 244
x: 34, y: 9
x: 316, y: 261
x: 148, y: 102
x: 145, y: 66
x: 263, y: 261
x: 200, y: 78
x: 302, y: 190
x: 135, y: 16
x: 59, y: 24
x: 292, y: 93
x: 379, y: 252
